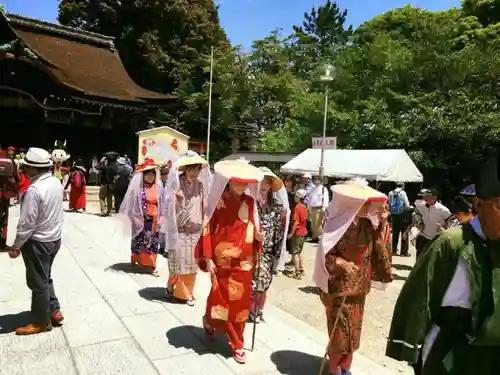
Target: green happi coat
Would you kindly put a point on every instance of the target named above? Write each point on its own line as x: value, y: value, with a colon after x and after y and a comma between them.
x: 468, y: 338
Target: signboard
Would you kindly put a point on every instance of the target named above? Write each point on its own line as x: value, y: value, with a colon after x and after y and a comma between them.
x: 329, y: 143
x: 161, y: 144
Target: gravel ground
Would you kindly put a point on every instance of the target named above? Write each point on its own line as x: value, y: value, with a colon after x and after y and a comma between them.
x: 298, y: 298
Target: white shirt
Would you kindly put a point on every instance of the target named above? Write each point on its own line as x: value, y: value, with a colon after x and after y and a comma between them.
x: 41, y: 217
x: 315, y: 199
x: 431, y: 217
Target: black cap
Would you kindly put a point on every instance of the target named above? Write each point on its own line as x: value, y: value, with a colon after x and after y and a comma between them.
x: 487, y: 181
x: 460, y: 204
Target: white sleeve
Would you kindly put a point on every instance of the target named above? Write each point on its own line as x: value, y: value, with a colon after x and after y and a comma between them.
x: 326, y: 198
x: 27, y: 218
x: 446, y: 213
x: 406, y: 202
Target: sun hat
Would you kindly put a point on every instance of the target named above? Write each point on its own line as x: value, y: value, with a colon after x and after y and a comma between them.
x: 37, y: 158
x: 301, y: 193
x: 235, y: 170
x: 190, y: 158
x: 276, y: 182
x: 148, y: 165
x: 356, y: 191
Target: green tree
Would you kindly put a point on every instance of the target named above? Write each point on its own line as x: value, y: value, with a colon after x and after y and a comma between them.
x: 163, y: 44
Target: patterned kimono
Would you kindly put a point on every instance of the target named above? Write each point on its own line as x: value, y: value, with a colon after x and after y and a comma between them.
x: 182, y: 265
x: 365, y: 247
x: 229, y: 240
x: 273, y: 227
x: 145, y: 245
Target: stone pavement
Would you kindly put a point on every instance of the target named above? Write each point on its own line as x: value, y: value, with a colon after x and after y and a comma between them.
x: 117, y: 323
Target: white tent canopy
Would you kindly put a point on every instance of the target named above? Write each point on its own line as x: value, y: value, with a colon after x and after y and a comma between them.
x: 373, y: 165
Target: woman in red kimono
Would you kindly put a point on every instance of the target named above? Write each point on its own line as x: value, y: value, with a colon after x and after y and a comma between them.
x: 351, y: 255
x: 24, y: 182
x: 78, y: 188
x: 228, y: 250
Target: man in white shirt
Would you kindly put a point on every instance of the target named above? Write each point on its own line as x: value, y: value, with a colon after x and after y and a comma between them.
x: 318, y: 199
x: 38, y: 239
x: 432, y: 218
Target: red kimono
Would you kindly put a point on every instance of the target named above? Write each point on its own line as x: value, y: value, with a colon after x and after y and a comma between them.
x: 78, y: 192
x: 229, y: 240
x: 24, y: 183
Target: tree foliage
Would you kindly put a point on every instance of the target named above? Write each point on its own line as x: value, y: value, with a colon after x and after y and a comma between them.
x: 165, y: 45
x: 424, y: 81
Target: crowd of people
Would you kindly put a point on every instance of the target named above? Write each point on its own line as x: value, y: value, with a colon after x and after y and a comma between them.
x: 241, y: 224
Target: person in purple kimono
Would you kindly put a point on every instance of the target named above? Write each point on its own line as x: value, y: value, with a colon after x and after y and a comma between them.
x: 143, y: 207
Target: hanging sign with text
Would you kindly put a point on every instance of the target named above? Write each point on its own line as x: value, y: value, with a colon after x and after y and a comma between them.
x: 328, y: 143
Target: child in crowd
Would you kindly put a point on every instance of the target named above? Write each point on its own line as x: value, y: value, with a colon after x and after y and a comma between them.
x: 462, y: 210
x: 298, y: 234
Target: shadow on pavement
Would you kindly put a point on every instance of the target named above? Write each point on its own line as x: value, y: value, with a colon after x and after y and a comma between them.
x: 155, y: 293
x: 401, y: 267
x: 9, y: 322
x: 291, y: 362
x: 395, y: 276
x: 309, y: 289
x: 128, y: 268
x: 194, y: 338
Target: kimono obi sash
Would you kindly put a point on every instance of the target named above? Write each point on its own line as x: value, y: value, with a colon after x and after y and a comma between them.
x: 152, y: 205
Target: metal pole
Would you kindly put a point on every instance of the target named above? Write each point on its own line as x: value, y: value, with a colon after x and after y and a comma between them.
x: 321, y: 164
x: 209, y: 125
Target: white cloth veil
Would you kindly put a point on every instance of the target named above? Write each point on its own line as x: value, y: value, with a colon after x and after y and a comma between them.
x: 282, y: 196
x: 131, y: 210
x: 339, y: 215
x: 169, y: 227
x: 218, y: 185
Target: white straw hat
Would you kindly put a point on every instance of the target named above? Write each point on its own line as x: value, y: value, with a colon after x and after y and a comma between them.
x: 276, y: 181
x: 37, y: 158
x: 236, y: 170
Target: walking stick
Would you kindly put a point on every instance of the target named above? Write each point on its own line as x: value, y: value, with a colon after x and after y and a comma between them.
x: 330, y: 338
x: 255, y: 301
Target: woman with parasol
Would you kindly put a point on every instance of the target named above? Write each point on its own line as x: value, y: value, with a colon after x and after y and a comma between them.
x: 229, y: 249
x: 352, y: 251
x: 186, y: 189
x: 143, y: 208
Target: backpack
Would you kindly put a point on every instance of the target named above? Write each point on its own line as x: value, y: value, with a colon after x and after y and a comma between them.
x: 396, y: 203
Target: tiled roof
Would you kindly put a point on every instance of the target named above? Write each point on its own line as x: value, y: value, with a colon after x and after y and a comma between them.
x: 81, y: 60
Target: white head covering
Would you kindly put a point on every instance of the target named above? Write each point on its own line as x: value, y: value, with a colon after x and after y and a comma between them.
x: 173, y: 185
x: 131, y: 210
x: 233, y: 169
x: 347, y: 200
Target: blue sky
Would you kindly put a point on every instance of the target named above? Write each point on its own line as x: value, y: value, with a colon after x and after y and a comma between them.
x: 247, y: 20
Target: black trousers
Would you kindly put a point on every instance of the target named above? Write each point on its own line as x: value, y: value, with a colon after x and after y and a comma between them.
x: 119, y: 195
x: 399, y: 227
x: 421, y: 244
x: 38, y: 258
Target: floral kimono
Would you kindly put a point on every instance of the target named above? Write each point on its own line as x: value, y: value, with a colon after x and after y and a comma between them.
x: 273, y: 227
x: 229, y: 240
x: 145, y: 245
x: 365, y: 247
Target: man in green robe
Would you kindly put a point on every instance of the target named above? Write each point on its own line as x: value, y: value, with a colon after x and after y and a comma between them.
x: 447, y: 318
